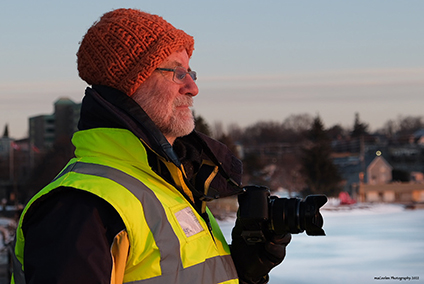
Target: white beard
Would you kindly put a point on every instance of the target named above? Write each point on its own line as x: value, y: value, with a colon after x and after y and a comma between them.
x: 170, y: 120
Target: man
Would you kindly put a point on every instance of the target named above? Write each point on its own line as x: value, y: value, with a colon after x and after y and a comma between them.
x: 131, y: 206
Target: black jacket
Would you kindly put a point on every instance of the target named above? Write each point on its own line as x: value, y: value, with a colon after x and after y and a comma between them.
x: 69, y: 232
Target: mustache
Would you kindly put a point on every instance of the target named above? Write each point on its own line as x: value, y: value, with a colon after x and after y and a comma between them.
x: 183, y: 101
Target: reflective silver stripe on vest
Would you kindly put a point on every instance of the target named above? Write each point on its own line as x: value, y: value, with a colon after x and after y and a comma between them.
x: 213, y: 270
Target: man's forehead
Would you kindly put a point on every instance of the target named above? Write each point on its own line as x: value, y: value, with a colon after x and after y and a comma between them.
x: 174, y: 63
x: 179, y: 57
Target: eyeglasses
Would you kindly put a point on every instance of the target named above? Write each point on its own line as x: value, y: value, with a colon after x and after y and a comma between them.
x: 180, y: 74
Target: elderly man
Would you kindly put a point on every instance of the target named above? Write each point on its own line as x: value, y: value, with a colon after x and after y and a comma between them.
x: 131, y: 206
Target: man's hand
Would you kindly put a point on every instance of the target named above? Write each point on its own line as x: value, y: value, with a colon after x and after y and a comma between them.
x: 254, y: 262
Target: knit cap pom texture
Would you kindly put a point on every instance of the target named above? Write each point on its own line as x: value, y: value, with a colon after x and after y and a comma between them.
x: 125, y: 46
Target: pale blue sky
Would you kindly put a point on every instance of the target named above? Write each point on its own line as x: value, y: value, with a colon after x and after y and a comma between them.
x: 256, y: 60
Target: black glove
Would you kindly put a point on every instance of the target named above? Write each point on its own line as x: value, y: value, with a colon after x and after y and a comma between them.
x: 254, y: 261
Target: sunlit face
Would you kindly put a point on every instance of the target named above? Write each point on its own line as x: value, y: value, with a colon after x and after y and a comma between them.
x: 166, y: 102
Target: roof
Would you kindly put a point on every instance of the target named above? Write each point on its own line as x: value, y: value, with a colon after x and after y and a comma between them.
x: 419, y: 133
x: 64, y: 101
x: 378, y: 159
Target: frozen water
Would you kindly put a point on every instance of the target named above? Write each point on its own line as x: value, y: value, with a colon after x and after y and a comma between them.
x: 361, y: 245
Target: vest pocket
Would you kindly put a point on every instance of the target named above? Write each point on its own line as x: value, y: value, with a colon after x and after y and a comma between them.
x: 187, y: 223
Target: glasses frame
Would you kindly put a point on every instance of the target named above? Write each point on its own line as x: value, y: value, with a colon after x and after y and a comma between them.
x: 184, y: 71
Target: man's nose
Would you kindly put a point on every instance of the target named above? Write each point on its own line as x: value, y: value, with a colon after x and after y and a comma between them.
x: 189, y: 87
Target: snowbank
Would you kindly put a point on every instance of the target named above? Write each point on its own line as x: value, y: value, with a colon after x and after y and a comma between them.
x: 363, y: 244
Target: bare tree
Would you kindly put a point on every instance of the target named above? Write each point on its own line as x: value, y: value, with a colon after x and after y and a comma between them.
x: 217, y: 129
x: 409, y: 124
x: 201, y: 125
x: 298, y: 122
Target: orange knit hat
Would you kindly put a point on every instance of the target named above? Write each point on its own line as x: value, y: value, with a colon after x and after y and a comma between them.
x: 125, y: 46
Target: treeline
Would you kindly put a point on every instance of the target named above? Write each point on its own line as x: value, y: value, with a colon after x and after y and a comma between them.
x: 296, y: 154
x: 294, y: 127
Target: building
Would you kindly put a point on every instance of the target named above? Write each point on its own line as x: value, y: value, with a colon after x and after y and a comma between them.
x: 379, y: 187
x: 14, y: 166
x: 6, y: 161
x: 379, y: 171
x: 66, y: 117
x: 45, y: 130
x: 398, y: 192
x: 42, y: 131
x: 18, y: 158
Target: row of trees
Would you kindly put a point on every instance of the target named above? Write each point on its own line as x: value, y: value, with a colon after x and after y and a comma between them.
x: 296, y: 154
x: 294, y: 127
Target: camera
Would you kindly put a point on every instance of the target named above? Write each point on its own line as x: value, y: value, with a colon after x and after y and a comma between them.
x: 261, y: 213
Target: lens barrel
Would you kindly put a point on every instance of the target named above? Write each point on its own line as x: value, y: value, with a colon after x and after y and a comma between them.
x: 257, y: 209
x: 292, y: 215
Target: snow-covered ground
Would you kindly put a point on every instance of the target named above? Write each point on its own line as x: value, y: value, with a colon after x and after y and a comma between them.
x: 367, y: 244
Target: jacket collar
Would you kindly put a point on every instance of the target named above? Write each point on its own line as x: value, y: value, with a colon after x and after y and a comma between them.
x: 103, y: 106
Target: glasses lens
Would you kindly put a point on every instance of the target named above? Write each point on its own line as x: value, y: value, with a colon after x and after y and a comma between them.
x: 193, y: 75
x: 180, y: 73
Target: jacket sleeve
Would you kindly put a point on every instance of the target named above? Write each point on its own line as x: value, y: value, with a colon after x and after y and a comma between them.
x: 68, y: 239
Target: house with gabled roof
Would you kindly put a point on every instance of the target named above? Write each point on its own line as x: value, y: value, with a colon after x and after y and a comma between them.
x: 379, y: 171
x: 379, y: 187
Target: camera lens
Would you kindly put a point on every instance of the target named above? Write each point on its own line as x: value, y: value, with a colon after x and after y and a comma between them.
x: 292, y: 215
x: 261, y: 213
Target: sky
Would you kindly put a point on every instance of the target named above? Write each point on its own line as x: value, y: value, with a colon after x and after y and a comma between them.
x: 256, y: 60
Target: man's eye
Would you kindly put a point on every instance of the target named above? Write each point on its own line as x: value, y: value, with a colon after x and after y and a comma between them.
x: 180, y: 75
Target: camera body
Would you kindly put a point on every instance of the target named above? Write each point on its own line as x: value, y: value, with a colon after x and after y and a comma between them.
x: 261, y: 213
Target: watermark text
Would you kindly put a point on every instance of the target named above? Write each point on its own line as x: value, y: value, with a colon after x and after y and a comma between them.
x: 397, y: 278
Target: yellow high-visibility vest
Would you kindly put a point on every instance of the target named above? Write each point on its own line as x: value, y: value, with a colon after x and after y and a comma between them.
x: 169, y: 241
